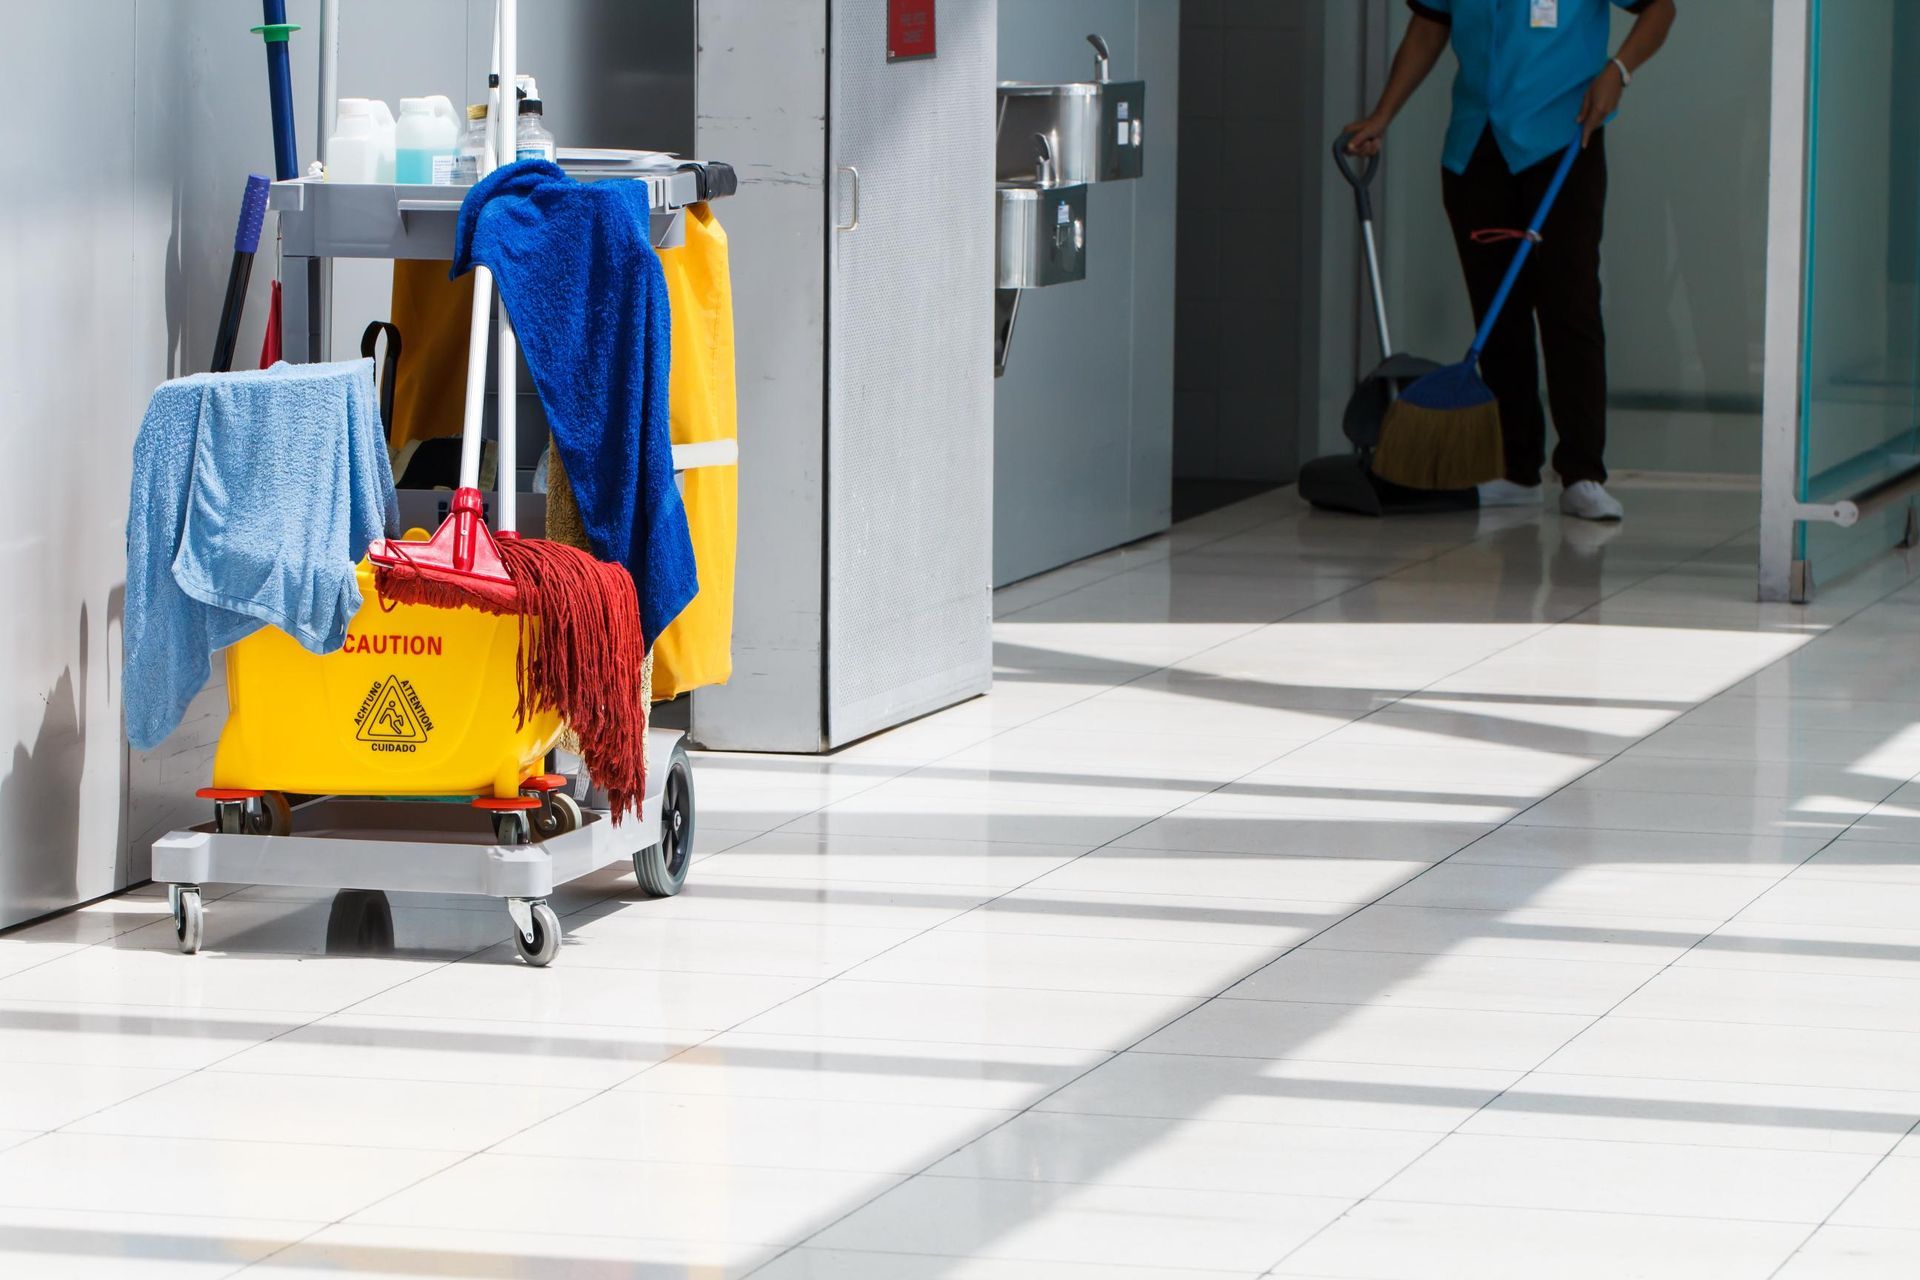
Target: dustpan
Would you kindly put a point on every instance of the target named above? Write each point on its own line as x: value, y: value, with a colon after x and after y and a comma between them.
x: 1345, y: 481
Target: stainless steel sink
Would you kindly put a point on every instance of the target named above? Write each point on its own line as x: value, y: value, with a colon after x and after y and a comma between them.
x: 1097, y: 128
x: 1042, y: 235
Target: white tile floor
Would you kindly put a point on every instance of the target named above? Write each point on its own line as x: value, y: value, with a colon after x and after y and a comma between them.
x: 1451, y: 897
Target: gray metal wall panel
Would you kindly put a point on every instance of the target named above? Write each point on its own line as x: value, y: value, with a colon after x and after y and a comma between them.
x: 1084, y: 416
x: 910, y: 365
x: 762, y: 87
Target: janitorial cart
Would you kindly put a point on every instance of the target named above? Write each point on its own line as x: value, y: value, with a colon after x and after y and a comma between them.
x: 403, y: 762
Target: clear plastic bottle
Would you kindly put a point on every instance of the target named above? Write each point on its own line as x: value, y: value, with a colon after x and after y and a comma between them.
x: 533, y: 141
x: 473, y: 146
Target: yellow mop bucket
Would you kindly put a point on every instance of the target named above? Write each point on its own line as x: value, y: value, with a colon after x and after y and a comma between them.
x: 419, y: 702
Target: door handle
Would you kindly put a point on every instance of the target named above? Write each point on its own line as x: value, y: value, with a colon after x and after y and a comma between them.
x: 853, y: 173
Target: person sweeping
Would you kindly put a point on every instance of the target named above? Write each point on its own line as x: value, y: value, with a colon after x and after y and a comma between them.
x: 1532, y: 75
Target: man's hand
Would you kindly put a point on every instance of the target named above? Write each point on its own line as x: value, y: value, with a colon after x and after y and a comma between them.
x: 1363, y: 136
x: 1603, y: 99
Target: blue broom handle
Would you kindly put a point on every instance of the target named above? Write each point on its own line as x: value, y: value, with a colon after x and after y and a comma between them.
x: 1526, y: 249
x: 286, y: 156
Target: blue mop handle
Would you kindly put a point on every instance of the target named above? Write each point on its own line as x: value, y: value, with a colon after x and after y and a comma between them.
x: 1526, y: 249
x: 275, y: 30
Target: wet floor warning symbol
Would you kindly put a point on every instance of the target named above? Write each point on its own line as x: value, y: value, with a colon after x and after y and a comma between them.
x: 391, y: 713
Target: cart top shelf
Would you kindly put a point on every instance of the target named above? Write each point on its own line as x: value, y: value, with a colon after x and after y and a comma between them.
x: 320, y: 219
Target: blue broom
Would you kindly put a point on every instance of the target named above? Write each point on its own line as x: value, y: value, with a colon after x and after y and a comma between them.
x: 1444, y: 430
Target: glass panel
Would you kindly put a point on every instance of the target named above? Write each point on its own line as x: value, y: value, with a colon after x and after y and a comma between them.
x: 1861, y: 381
x: 1685, y: 255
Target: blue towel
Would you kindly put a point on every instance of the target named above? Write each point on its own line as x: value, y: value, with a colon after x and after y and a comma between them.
x: 575, y: 265
x: 254, y: 496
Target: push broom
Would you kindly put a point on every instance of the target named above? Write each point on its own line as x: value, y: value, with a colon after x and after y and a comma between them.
x: 581, y: 648
x: 1444, y: 430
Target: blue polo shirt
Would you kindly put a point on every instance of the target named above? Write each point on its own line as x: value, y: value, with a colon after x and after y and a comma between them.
x: 1524, y: 82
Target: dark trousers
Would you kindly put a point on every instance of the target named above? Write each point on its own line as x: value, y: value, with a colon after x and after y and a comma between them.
x: 1559, y: 291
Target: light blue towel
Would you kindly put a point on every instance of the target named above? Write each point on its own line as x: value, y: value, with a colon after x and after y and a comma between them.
x: 254, y: 496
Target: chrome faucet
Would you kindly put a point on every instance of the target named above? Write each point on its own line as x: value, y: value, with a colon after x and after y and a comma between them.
x: 1102, y: 58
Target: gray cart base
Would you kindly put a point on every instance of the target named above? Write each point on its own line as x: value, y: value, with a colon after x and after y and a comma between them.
x: 435, y: 847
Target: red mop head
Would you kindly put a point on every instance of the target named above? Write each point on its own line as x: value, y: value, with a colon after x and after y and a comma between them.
x: 459, y: 566
x: 583, y: 659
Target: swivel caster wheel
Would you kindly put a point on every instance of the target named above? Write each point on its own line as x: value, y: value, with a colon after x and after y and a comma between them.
x: 189, y: 918
x: 560, y: 815
x: 662, y: 868
x: 542, y: 924
x: 512, y: 827
x: 268, y: 814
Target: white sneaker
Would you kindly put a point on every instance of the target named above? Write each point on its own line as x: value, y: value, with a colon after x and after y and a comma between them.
x: 1505, y: 493
x: 1586, y: 500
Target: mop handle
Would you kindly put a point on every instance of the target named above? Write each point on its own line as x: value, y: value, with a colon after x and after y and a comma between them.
x: 246, y: 243
x: 1520, y: 255
x: 274, y: 30
x: 506, y: 347
x: 481, y: 313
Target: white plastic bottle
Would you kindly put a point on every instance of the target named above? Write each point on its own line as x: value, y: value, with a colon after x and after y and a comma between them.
x: 361, y: 148
x: 427, y: 138
x: 533, y: 142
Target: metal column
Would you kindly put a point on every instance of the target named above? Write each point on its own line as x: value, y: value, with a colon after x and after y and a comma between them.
x: 1782, y: 576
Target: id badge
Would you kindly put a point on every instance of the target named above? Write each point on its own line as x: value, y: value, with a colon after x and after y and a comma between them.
x: 1546, y: 14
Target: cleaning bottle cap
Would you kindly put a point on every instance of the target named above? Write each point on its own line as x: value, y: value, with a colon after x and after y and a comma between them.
x: 476, y: 111
x: 532, y: 107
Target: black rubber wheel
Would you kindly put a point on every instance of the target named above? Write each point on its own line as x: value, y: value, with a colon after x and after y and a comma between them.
x: 546, y: 937
x: 560, y: 815
x: 662, y: 868
x: 273, y: 816
x: 360, y: 923
x: 513, y: 827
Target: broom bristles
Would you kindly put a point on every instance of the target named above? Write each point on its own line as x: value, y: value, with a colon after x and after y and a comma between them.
x: 1440, y: 448
x: 1442, y: 433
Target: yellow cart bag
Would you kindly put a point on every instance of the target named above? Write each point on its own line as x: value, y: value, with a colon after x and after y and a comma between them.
x: 697, y: 649
x: 432, y: 314
x: 420, y: 702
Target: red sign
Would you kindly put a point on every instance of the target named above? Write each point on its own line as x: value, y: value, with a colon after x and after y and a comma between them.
x: 909, y: 29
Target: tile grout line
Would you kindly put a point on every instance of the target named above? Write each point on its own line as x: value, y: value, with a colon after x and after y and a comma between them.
x: 1527, y: 1073
x: 1530, y: 1072
x: 1110, y: 1054
x: 924, y: 765
x: 1023, y: 885
x: 1841, y: 1203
